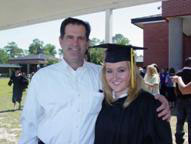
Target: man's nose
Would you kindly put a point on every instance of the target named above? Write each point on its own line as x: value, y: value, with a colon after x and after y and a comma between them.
x: 75, y: 42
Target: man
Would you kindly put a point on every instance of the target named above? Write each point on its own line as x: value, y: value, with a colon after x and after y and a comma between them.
x: 184, y: 89
x: 184, y: 105
x: 64, y: 99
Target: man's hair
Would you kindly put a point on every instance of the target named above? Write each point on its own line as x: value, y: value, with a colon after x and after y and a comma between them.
x: 75, y: 22
x: 187, y: 62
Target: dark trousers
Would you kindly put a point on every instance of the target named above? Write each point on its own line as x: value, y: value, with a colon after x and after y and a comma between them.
x: 183, y: 112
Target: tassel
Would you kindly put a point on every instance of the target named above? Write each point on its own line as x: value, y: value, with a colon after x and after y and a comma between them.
x: 132, y: 68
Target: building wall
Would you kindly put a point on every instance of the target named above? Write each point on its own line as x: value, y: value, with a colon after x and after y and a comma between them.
x: 173, y: 8
x: 156, y: 42
x: 186, y: 46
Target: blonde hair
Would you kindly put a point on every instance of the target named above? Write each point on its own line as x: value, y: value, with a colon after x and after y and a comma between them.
x: 132, y: 92
x: 151, y: 71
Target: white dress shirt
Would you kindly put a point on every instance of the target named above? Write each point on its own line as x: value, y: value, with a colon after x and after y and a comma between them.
x: 62, y: 105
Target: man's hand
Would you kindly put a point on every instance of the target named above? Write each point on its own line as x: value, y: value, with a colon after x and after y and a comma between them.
x: 175, y: 78
x: 164, y: 109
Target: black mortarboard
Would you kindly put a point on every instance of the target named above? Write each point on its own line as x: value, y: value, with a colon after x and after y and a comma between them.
x: 116, y: 53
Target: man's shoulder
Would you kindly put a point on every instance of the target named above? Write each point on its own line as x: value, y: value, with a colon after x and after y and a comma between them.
x: 47, y: 70
x: 184, y: 70
x: 50, y: 67
x: 94, y: 66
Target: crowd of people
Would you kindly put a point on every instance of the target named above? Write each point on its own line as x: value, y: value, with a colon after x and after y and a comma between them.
x: 115, y: 103
x: 176, y: 87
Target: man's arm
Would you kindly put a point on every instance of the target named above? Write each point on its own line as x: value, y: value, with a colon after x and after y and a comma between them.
x: 185, y: 89
x: 30, y: 116
x: 163, y: 110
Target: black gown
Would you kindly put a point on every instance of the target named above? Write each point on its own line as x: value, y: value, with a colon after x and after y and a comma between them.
x: 136, y: 124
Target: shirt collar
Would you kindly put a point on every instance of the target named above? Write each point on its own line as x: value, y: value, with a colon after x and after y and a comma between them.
x: 121, y: 96
x: 68, y: 67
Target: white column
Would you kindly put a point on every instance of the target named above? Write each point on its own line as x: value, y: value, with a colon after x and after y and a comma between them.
x: 108, y: 25
x: 175, y: 43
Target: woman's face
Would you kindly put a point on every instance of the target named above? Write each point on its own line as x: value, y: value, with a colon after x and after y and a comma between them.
x: 118, y: 76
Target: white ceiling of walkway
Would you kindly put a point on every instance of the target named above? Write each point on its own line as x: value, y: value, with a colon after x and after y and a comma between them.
x: 15, y: 13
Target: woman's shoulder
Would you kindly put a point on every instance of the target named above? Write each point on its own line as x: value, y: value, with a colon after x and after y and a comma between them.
x: 147, y: 101
x: 146, y: 96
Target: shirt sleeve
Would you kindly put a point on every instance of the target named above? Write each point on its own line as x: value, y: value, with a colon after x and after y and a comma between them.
x: 30, y: 115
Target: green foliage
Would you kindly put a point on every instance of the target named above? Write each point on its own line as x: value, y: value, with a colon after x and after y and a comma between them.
x: 95, y: 41
x: 120, y: 39
x: 61, y: 52
x: 36, y: 47
x: 9, y: 119
x: 49, y: 50
x: 96, y: 55
x: 52, y: 61
x: 4, y: 57
x: 13, y: 50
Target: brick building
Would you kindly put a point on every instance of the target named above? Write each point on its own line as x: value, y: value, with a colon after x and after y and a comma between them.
x: 167, y: 36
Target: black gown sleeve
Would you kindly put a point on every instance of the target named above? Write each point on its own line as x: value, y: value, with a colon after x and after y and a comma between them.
x: 158, y: 131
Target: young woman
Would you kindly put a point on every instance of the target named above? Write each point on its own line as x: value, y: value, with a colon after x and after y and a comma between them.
x: 128, y: 114
x: 152, y: 80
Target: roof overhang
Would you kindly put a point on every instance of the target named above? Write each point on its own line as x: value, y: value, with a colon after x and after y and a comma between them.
x: 147, y: 20
x: 16, y: 13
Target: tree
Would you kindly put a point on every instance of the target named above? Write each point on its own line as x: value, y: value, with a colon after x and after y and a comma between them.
x: 61, y: 52
x: 4, y: 57
x: 49, y: 50
x: 36, y: 47
x: 13, y: 50
x: 95, y: 41
x: 96, y: 55
x: 120, y: 39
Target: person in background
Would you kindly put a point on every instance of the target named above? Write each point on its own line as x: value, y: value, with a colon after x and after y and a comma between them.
x: 184, y: 88
x: 152, y: 80
x: 163, y: 74
x: 170, y: 87
x: 64, y: 99
x: 183, y: 104
x: 157, y: 68
x: 128, y: 114
x: 18, y: 82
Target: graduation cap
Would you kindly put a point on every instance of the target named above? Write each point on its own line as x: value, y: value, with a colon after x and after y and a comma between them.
x: 116, y: 53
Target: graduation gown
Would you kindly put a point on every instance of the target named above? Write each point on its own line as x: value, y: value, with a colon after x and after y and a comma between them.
x: 136, y: 124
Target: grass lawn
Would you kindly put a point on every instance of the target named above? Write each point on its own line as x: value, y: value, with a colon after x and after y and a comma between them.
x: 9, y: 119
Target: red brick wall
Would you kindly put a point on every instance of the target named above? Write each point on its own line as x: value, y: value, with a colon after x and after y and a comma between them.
x: 156, y: 40
x: 186, y: 47
x: 173, y: 8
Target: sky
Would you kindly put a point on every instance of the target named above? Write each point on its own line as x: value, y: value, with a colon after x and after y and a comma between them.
x: 49, y: 32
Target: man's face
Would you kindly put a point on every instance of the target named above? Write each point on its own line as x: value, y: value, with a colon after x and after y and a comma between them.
x: 74, y: 43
